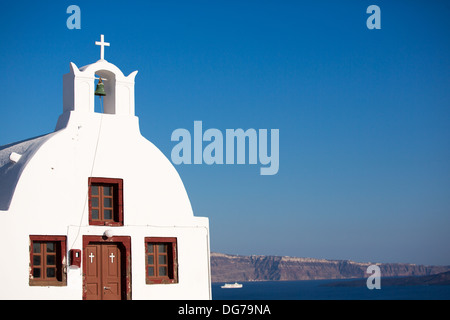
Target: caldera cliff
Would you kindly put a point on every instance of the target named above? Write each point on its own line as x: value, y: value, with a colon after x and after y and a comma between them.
x: 230, y: 268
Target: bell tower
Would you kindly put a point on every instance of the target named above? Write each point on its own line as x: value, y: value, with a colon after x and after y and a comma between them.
x: 79, y: 87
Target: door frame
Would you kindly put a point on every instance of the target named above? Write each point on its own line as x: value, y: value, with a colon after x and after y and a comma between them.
x: 125, y: 245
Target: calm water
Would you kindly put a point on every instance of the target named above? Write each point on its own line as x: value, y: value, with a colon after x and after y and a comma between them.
x: 312, y: 290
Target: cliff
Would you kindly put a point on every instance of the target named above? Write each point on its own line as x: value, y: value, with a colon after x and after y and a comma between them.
x: 230, y: 268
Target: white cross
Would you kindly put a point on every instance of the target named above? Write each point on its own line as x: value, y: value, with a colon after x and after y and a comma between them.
x: 112, y: 256
x: 91, y: 256
x: 102, y: 45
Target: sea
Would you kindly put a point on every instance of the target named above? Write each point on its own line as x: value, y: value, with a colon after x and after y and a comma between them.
x: 317, y: 290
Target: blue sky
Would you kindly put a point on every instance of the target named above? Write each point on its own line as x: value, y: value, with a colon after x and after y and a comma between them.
x: 363, y: 114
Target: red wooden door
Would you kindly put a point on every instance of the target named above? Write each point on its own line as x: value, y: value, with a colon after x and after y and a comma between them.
x: 103, y: 272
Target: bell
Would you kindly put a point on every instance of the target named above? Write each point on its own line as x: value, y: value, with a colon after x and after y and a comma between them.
x: 100, y: 90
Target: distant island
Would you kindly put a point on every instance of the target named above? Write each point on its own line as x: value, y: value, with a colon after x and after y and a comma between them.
x: 231, y: 268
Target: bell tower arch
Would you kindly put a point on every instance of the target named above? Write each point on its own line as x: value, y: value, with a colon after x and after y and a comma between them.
x: 79, y: 88
x: 109, y: 81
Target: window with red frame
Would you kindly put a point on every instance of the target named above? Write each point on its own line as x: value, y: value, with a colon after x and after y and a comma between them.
x: 105, y: 201
x: 47, y: 266
x: 161, y: 260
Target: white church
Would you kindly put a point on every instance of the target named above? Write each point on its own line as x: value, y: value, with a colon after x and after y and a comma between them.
x: 95, y: 211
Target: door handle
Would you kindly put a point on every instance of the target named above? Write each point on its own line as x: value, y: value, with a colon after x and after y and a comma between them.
x: 106, y: 288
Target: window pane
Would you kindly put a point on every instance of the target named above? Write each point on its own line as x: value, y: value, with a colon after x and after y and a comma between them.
x: 94, y: 190
x: 36, y: 247
x: 107, y: 214
x: 162, y: 259
x: 162, y: 248
x: 51, y: 260
x: 51, y: 272
x: 51, y: 247
x: 150, y: 259
x: 107, y: 202
x: 94, y: 214
x: 94, y: 202
x: 150, y: 271
x: 36, y: 272
x: 107, y: 191
x: 150, y: 247
x: 162, y: 271
x: 36, y: 260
